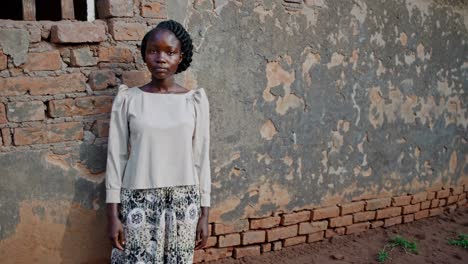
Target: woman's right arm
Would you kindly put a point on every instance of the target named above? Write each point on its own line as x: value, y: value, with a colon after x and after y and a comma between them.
x: 115, y: 228
x: 117, y: 157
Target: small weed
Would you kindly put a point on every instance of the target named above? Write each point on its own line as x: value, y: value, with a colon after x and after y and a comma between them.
x: 382, y: 256
x: 462, y: 241
x: 398, y: 241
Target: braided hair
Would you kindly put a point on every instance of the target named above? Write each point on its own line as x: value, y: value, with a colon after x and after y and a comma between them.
x: 185, y: 41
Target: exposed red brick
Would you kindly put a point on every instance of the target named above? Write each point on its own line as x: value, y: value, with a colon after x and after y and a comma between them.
x: 136, y: 78
x: 436, y: 211
x: 246, y: 251
x: 461, y: 203
x: 3, y: 61
x: 65, y: 83
x: 443, y: 194
x: 82, y: 57
x: 292, y: 241
x: 327, y: 212
x: 352, y: 207
x: 462, y: 197
x: 375, y: 224
x: 100, y: 80
x: 6, y: 136
x: 115, y: 54
x: 408, y: 218
x: 330, y: 233
x: 64, y: 132
x: 408, y: 209
x: 341, y: 221
x: 431, y: 195
x: 198, y: 255
x: 442, y: 202
x: 282, y: 232
x: 451, y: 208
x: 264, y: 223
x: 29, y: 135
x: 43, y: 61
x: 364, y: 216
x: 77, y: 32
x: 154, y: 10
x: 89, y: 105
x: 3, y: 119
x: 379, y: 203
x: 421, y: 214
x: 212, y: 241
x: 312, y: 227
x: 235, y: 227
x: 419, y: 197
x: 49, y: 133
x: 456, y: 190
x: 114, y: 8
x: 294, y: 218
x: 127, y: 31
x: 26, y: 111
x: 401, y: 200
x: 265, y: 247
x: 229, y: 240
x: 392, y: 221
x: 315, y: 237
x: 275, y: 246
x: 101, y: 128
x: 340, y: 230
x: 252, y: 237
x: 388, y: 212
x: 356, y: 228
x: 425, y: 205
x: 212, y: 254
x: 452, y: 199
x: 434, y: 203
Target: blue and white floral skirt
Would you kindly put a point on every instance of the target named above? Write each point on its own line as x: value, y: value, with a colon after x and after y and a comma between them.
x: 159, y: 225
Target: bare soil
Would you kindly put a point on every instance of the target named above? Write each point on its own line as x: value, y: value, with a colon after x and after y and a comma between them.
x: 431, y: 236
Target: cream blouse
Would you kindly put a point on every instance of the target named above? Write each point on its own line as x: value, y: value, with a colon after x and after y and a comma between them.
x: 169, y: 140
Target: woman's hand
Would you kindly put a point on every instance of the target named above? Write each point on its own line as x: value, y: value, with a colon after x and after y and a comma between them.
x: 115, y: 227
x: 202, y: 229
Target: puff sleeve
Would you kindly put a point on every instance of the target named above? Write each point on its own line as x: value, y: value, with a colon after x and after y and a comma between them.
x: 117, y: 149
x: 201, y: 145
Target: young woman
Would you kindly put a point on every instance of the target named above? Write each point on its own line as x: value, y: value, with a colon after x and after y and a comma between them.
x: 158, y: 170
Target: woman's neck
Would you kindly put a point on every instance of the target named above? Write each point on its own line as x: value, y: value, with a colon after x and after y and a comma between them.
x: 162, y: 86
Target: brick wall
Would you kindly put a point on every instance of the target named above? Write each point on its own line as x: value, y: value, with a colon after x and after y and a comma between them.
x: 254, y: 236
x: 59, y: 85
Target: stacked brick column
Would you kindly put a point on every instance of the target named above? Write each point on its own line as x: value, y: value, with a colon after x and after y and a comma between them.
x: 250, y: 237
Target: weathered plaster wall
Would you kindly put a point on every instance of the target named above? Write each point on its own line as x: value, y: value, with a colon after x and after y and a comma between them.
x: 323, y: 101
x: 313, y: 103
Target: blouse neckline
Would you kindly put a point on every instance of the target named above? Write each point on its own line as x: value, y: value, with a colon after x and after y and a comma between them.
x: 163, y: 94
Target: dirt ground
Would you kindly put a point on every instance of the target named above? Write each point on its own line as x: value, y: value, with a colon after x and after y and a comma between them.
x: 431, y: 236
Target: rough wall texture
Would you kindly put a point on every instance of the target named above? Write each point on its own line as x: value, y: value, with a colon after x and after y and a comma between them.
x: 313, y: 103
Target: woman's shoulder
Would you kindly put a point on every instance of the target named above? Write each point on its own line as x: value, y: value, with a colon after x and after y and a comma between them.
x: 199, y: 95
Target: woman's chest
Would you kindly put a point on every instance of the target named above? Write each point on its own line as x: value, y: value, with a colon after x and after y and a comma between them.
x: 173, y: 115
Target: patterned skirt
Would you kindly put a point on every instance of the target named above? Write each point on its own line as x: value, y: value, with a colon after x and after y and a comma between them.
x: 159, y: 225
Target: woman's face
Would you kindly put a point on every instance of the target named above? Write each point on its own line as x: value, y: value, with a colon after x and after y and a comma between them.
x: 163, y: 54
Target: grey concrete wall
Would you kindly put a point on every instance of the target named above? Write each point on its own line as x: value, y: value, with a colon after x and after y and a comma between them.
x: 313, y: 102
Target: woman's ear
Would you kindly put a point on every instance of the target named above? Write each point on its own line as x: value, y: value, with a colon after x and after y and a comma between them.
x: 181, y: 57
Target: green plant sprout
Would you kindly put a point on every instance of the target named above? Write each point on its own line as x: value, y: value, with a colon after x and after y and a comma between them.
x: 461, y: 241
x: 382, y: 256
x: 397, y: 241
